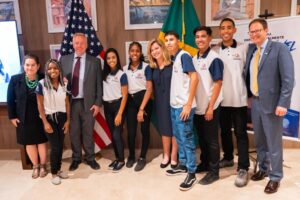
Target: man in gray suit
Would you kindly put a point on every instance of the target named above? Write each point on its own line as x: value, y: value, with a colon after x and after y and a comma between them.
x: 84, y: 77
x: 270, y: 80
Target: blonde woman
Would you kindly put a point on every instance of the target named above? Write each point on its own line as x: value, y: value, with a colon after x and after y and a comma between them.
x: 161, y: 64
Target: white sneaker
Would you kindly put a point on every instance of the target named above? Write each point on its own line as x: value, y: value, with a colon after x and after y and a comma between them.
x: 242, y: 178
x: 62, y: 174
x: 55, y: 180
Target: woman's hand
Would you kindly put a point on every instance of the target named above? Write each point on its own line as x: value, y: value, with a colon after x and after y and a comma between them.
x: 140, y: 116
x: 15, y: 122
x: 66, y: 127
x: 48, y: 128
x: 118, y: 119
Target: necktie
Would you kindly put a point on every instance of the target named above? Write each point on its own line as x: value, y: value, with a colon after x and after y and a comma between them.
x: 255, y: 72
x: 75, y: 78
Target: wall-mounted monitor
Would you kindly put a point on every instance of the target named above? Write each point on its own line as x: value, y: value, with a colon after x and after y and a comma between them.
x: 9, y: 56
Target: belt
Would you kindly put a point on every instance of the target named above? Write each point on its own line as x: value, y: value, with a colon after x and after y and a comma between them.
x: 77, y: 99
x: 255, y: 97
x: 137, y: 93
x: 113, y: 101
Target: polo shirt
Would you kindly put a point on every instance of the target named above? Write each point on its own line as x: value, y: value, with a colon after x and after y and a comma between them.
x: 137, y: 78
x: 210, y: 69
x: 54, y: 100
x: 233, y: 86
x: 112, y: 86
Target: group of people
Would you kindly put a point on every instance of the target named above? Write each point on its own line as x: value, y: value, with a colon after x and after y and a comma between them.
x: 202, y: 92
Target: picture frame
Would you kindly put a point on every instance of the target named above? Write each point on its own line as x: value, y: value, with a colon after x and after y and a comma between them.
x: 9, y: 10
x: 141, y: 14
x: 295, y: 7
x: 54, y: 51
x: 144, y: 50
x: 58, y: 11
x: 241, y: 11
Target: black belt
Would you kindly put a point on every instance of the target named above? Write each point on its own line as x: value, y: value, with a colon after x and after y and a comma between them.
x: 137, y: 93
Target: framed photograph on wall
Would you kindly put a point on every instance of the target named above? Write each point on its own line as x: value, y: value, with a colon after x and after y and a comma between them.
x: 54, y: 51
x: 295, y: 7
x: 143, y: 14
x: 9, y: 10
x: 242, y: 11
x: 58, y: 11
x: 144, y: 49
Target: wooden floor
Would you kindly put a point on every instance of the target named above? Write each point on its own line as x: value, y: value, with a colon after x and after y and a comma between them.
x: 151, y: 183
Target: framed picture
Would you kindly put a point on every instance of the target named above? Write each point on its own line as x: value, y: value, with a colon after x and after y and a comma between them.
x: 9, y: 10
x: 58, y: 11
x: 144, y: 49
x: 145, y: 14
x: 295, y: 7
x: 54, y: 51
x: 242, y: 11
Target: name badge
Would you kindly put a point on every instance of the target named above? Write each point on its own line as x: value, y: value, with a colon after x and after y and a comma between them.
x: 236, y: 56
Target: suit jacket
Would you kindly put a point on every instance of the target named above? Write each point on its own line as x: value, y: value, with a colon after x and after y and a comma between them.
x: 275, y: 76
x: 17, y: 96
x: 92, y: 82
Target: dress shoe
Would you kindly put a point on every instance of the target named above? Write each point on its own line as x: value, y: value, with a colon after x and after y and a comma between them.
x: 209, y: 178
x: 260, y: 175
x: 130, y: 162
x: 74, y: 165
x: 93, y: 164
x: 164, y: 165
x: 118, y: 167
x: 272, y: 187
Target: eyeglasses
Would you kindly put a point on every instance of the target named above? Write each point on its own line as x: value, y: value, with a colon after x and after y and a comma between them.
x: 254, y: 31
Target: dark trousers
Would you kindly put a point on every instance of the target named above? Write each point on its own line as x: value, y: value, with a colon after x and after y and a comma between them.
x: 81, y: 131
x: 208, y: 140
x: 110, y: 111
x: 56, y: 140
x: 133, y: 104
x: 236, y: 117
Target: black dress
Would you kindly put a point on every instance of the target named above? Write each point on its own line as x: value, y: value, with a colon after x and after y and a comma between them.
x: 33, y: 131
x: 162, y: 85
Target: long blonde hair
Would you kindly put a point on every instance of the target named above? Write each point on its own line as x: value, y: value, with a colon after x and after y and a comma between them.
x: 166, y: 55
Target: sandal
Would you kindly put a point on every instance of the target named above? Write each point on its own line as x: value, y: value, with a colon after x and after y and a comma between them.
x: 43, y: 171
x: 35, y: 171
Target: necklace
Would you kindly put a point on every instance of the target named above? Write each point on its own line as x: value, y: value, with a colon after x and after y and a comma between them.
x: 31, y: 84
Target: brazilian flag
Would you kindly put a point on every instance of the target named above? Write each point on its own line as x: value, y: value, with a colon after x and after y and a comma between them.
x: 183, y: 19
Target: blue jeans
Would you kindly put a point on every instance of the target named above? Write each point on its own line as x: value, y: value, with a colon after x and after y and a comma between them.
x: 183, y: 132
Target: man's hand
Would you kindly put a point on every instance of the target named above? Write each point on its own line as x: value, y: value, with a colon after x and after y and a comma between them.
x: 186, y: 110
x: 15, y: 122
x: 95, y: 109
x: 280, y: 111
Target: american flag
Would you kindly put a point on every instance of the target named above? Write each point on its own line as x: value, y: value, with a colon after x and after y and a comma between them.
x: 79, y: 21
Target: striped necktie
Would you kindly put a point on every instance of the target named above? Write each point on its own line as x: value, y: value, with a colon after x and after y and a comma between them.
x: 255, y: 72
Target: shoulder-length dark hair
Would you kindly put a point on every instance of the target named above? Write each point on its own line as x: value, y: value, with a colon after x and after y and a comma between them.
x: 106, y: 68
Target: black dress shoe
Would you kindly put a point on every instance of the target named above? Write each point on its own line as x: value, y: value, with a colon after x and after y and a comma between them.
x: 130, y: 162
x: 74, y: 165
x: 260, y: 175
x: 118, y: 166
x: 112, y: 164
x: 272, y: 187
x: 93, y: 164
x: 162, y: 165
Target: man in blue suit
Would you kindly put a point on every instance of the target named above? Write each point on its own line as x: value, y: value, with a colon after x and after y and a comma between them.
x: 270, y: 80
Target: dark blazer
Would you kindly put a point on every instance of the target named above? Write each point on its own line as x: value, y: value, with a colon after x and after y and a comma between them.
x: 17, y: 96
x: 92, y: 83
x: 275, y: 76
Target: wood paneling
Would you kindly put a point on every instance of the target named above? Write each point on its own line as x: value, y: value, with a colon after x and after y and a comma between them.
x: 110, y: 19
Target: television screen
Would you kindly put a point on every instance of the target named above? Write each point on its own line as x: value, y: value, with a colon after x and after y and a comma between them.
x: 9, y: 55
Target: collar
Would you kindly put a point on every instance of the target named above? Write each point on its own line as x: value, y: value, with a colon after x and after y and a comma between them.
x: 139, y: 67
x: 174, y: 57
x: 82, y: 56
x: 264, y: 44
x: 204, y: 54
x: 234, y: 45
x: 114, y: 72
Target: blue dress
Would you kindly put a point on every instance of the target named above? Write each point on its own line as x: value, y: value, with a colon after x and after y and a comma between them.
x: 162, y: 85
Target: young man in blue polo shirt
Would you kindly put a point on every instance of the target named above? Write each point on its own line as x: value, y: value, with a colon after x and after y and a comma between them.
x: 183, y: 87
x: 208, y: 97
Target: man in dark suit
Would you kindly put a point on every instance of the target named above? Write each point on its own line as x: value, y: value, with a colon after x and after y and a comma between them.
x: 270, y: 80
x: 84, y: 76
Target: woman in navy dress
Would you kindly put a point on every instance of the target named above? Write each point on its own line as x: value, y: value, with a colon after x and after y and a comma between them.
x: 161, y: 64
